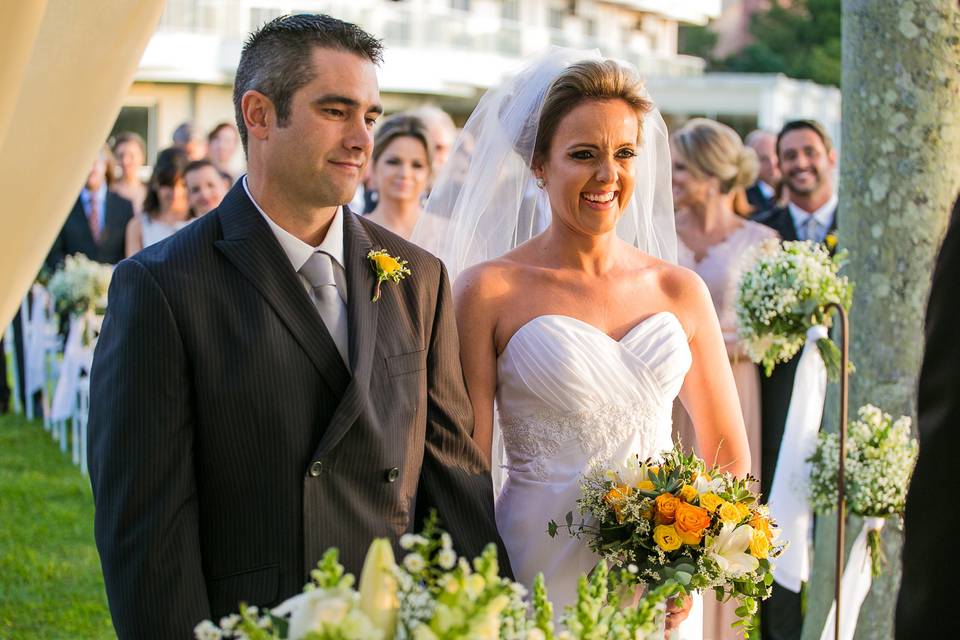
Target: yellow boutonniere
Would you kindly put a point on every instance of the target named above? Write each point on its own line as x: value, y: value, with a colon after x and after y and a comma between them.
x: 831, y: 241
x: 386, y: 267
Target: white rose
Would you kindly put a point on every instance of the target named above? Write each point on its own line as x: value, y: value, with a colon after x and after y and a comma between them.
x: 414, y: 562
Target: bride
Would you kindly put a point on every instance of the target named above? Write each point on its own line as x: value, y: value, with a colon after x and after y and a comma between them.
x: 555, y: 212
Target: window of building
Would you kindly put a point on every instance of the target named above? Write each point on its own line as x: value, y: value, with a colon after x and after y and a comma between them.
x: 141, y: 120
x: 510, y: 10
x: 460, y: 5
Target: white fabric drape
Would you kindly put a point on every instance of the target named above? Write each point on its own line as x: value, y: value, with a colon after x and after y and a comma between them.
x: 65, y: 69
x: 788, y: 494
x: 854, y: 586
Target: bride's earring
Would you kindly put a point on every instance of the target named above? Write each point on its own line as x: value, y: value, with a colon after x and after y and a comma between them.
x: 540, y: 183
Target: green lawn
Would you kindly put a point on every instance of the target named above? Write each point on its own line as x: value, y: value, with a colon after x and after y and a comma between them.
x: 50, y: 581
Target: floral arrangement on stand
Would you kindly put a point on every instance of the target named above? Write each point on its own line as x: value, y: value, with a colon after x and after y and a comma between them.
x: 783, y: 295
x: 674, y: 524
x: 80, y: 286
x: 880, y: 456
x: 433, y: 594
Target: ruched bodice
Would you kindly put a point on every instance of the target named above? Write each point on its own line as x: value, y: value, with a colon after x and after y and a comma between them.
x: 568, y: 397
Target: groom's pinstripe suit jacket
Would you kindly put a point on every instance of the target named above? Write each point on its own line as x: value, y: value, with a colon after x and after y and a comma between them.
x: 229, y: 445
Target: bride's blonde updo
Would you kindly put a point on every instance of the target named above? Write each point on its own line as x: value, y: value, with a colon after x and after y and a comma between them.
x: 712, y: 149
x: 585, y: 81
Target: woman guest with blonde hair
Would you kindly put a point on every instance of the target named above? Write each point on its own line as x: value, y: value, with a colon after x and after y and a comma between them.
x: 402, y: 160
x: 711, y: 169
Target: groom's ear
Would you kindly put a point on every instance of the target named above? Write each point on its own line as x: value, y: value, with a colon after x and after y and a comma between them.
x: 258, y: 114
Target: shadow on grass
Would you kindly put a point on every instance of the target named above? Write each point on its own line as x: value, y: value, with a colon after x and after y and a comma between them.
x: 50, y: 580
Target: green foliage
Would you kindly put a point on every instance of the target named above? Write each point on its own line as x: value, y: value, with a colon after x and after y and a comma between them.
x: 50, y: 581
x: 800, y: 38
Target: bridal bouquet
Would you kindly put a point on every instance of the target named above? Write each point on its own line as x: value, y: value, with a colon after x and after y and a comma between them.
x: 880, y: 456
x: 675, y: 523
x: 783, y: 294
x: 80, y: 285
x: 433, y: 594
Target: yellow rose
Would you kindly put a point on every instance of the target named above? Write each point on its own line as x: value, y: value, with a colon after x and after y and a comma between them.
x: 743, y: 509
x: 691, y: 522
x: 729, y: 513
x: 688, y: 493
x: 759, y: 544
x: 762, y: 524
x: 710, y: 501
x: 666, y: 537
x: 386, y: 263
x: 616, y: 497
x: 666, y: 505
x: 645, y: 485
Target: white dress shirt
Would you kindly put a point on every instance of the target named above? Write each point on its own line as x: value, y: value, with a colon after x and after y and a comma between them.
x: 824, y: 216
x: 298, y: 252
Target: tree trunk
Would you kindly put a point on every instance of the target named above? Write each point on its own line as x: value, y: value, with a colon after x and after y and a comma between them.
x: 898, y: 180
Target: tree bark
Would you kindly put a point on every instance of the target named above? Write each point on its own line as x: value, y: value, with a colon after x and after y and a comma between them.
x: 899, y: 177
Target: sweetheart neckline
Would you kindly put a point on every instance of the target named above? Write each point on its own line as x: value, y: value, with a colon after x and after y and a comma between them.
x: 583, y: 323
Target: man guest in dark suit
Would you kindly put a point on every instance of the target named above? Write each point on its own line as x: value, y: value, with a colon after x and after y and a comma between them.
x: 808, y: 162
x: 251, y: 405
x: 97, y: 222
x: 763, y: 193
x: 928, y: 587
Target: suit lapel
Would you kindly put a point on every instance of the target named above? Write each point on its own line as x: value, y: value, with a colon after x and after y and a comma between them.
x: 363, y: 319
x: 252, y: 248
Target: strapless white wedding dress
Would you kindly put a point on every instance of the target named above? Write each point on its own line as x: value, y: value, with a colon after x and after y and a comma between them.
x: 569, y: 396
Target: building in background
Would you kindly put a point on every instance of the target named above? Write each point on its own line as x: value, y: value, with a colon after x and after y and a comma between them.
x: 448, y: 52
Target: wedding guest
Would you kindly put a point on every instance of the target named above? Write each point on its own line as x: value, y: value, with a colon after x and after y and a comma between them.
x: 222, y: 144
x: 187, y: 138
x: 927, y: 591
x: 763, y: 193
x: 166, y: 209
x: 206, y: 186
x: 402, y: 158
x: 711, y: 167
x: 131, y: 153
x: 95, y: 225
x: 807, y: 161
x: 441, y: 130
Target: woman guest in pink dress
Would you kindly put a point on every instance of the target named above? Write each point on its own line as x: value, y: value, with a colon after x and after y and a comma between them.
x: 711, y: 169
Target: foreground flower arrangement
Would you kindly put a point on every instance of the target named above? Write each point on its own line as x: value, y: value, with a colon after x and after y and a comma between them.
x: 881, y: 453
x: 80, y: 285
x: 674, y: 524
x: 434, y: 594
x: 783, y: 294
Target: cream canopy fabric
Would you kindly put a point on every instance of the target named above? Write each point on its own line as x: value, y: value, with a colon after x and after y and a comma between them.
x: 65, y: 68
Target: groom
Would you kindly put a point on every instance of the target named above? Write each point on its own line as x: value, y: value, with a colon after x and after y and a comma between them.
x: 251, y: 406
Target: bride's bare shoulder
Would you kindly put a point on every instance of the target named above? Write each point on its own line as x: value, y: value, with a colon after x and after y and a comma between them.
x: 684, y: 293
x: 487, y: 282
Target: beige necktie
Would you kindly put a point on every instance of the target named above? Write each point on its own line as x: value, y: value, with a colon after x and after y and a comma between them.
x: 318, y: 270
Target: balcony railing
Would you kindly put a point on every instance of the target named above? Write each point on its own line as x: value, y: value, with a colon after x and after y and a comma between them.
x: 410, y: 26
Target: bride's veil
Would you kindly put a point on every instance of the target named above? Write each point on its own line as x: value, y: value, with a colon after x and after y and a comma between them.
x: 485, y: 200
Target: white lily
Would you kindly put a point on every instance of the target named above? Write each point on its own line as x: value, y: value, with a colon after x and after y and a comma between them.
x: 378, y: 587
x: 730, y: 550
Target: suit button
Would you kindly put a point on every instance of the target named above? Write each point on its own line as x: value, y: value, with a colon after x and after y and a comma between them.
x: 392, y: 474
x: 316, y: 468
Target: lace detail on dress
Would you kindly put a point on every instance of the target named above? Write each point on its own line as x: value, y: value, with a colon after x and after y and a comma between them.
x: 535, y: 438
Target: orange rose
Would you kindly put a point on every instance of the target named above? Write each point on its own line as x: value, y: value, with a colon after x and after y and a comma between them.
x: 666, y: 505
x: 691, y: 522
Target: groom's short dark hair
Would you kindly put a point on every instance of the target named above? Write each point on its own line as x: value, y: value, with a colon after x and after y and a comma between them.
x: 277, y: 58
